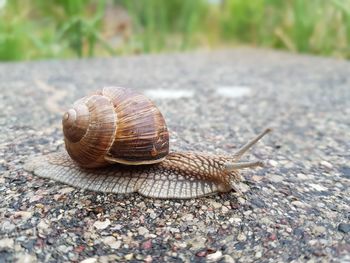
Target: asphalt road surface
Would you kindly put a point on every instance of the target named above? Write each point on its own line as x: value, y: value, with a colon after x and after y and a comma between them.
x: 295, y: 209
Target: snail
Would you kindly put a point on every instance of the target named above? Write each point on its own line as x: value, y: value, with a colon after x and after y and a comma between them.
x: 117, y: 141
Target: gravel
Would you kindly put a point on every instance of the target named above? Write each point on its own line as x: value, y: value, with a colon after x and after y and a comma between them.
x: 294, y: 210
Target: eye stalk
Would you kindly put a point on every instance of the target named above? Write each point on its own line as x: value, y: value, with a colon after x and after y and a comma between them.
x: 234, y: 165
x: 241, y: 151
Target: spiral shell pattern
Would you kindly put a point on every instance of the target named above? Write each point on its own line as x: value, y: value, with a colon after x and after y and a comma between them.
x: 115, y: 125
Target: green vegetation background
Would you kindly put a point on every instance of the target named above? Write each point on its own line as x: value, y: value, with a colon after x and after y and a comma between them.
x: 37, y: 29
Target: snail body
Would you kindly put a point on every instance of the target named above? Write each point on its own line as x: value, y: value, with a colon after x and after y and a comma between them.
x: 117, y: 141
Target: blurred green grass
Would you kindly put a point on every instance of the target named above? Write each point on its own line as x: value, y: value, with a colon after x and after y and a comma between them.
x: 39, y: 29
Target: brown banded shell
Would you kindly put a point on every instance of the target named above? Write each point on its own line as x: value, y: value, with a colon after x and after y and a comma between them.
x: 115, y: 125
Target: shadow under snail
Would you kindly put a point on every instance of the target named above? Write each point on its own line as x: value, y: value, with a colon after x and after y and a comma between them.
x: 117, y: 142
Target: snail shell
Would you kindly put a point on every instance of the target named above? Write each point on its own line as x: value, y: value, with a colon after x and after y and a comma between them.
x: 115, y: 125
x: 121, y: 126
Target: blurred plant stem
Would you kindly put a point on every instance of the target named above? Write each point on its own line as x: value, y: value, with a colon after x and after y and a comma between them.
x: 66, y: 28
x: 76, y: 24
x: 162, y: 25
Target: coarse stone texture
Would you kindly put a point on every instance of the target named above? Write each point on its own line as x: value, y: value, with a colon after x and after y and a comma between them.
x: 294, y: 209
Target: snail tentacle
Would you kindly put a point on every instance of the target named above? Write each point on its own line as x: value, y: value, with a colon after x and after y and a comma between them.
x: 241, y: 165
x: 241, y: 151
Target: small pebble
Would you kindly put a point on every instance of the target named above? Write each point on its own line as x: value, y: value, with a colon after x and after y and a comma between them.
x: 214, y: 257
x: 187, y: 217
x: 26, y: 258
x: 326, y: 164
x: 153, y: 215
x: 318, y: 187
x: 319, y: 230
x: 89, y: 260
x: 116, y: 227
x: 227, y: 259
x: 142, y: 231
x: 241, y: 237
x: 343, y: 227
x: 6, y: 243
x: 73, y: 256
x: 7, y: 227
x: 23, y: 214
x: 43, y: 227
x: 35, y: 198
x: 64, y: 249
x: 129, y: 256
x: 147, y: 244
x: 102, y: 224
x: 112, y: 242
x: 197, y: 243
x: 258, y: 254
x: 66, y: 190
x: 202, y: 253
x: 215, y: 205
x: 299, y: 204
x: 273, y: 163
x: 275, y: 178
x: 224, y: 209
x: 148, y: 259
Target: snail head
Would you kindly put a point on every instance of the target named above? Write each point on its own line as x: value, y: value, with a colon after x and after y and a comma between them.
x: 233, y: 165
